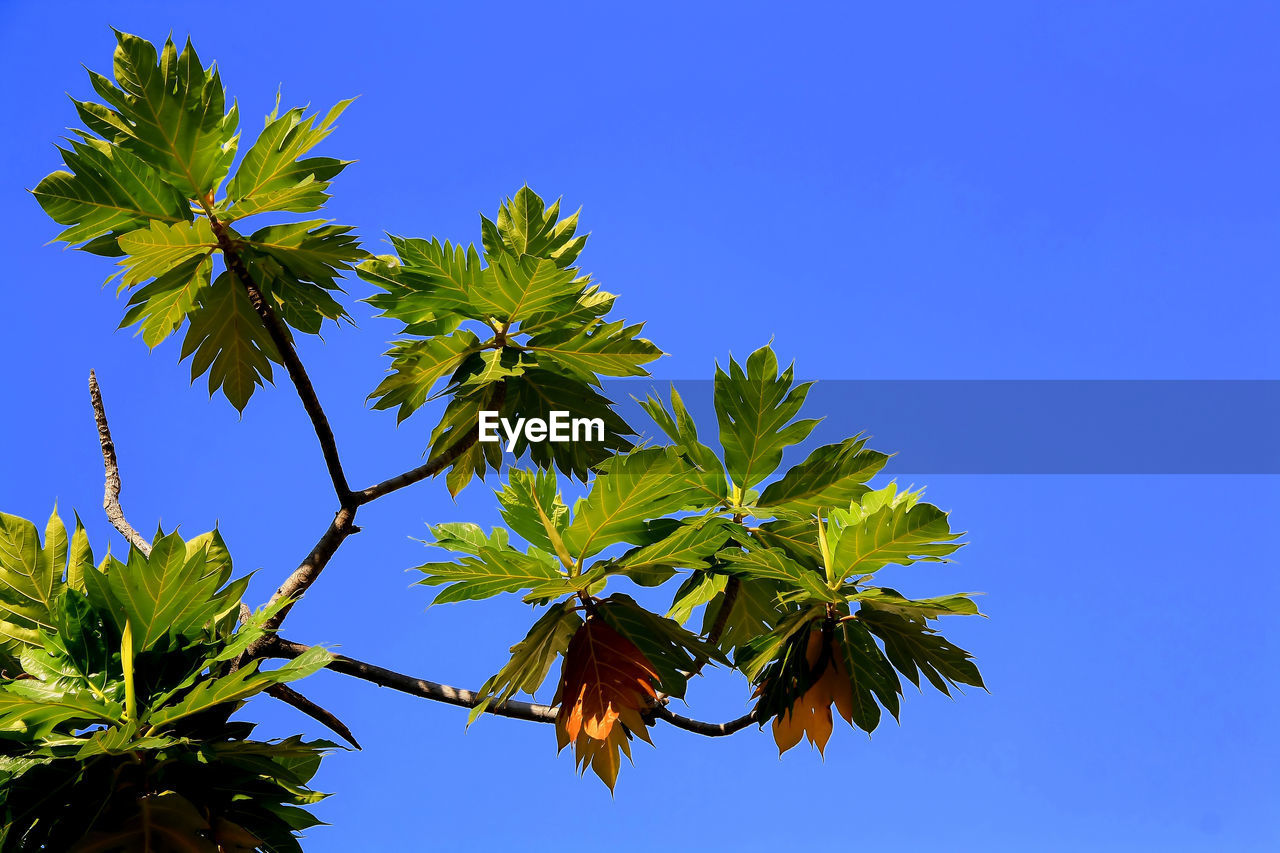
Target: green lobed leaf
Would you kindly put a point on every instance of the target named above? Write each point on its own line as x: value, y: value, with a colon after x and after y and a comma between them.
x: 797, y: 537
x: 310, y: 251
x: 446, y: 278
x: 402, y: 299
x: 531, y: 658
x: 592, y: 304
x: 756, y: 408
x: 173, y: 592
x: 892, y: 601
x: 531, y: 505
x: 833, y: 475
x: 755, y: 610
x: 688, y: 546
x: 273, y: 177
x: 296, y: 266
x: 30, y: 581
x: 226, y: 338
x: 159, y: 248
x: 167, y: 110
x: 519, y: 287
x: 526, y: 226
x: 427, y: 277
x: 539, y: 392
x: 629, y: 490
x: 912, y: 648
x: 698, y: 588
x: 79, y: 557
x: 417, y: 366
x: 77, y: 653
x: 492, y: 564
x: 775, y: 565
x: 303, y: 305
x: 461, y: 417
x: 33, y: 709
x: 679, y: 426
x: 752, y: 657
x: 107, y: 190
x: 597, y: 349
x: 885, y: 527
x: 487, y: 367
x: 870, y: 675
x: 160, y: 307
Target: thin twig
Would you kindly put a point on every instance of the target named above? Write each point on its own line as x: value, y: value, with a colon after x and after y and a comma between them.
x: 293, y: 698
x: 111, y: 494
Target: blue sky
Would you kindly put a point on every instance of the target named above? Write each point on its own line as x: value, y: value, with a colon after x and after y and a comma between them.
x: 914, y: 191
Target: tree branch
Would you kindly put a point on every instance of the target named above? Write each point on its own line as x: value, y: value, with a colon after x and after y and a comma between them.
x: 662, y: 712
x: 283, y: 340
x: 713, y: 638
x: 731, y: 589
x: 342, y: 525
x: 422, y: 472
x: 293, y: 698
x: 111, y: 493
x: 278, y: 647
x: 305, y: 575
x: 339, y: 529
x: 432, y: 466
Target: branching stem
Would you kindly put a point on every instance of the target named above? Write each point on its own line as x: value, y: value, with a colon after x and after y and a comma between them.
x: 342, y: 525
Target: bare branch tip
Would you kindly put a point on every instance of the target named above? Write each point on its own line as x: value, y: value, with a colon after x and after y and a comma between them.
x: 328, y: 719
x: 111, y: 469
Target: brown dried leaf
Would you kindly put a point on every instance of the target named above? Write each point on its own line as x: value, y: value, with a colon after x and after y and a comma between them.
x: 604, y: 675
x: 810, y: 715
x: 606, y: 684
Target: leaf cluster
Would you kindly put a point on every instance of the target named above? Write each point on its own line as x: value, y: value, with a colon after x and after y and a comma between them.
x: 513, y: 327
x: 782, y: 568
x: 144, y: 183
x: 120, y: 681
x: 120, y: 677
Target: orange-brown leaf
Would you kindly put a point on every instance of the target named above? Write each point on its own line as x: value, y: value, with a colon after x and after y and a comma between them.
x: 810, y: 715
x: 604, y: 757
x: 788, y: 729
x: 604, y: 676
x: 606, y: 684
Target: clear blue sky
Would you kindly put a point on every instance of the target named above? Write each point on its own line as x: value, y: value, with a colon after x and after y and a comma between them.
x: 909, y: 191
